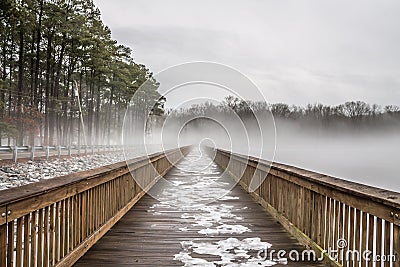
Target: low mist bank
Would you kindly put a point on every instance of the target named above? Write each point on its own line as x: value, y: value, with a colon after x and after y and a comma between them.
x: 370, y: 157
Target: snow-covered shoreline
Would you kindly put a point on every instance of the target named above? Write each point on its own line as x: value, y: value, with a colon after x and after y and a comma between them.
x: 14, y: 175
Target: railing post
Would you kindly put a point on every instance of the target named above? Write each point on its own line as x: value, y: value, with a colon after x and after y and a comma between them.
x: 79, y: 150
x: 92, y: 149
x: 32, y: 153
x: 59, y: 151
x: 47, y: 152
x: 69, y: 151
x: 15, y: 154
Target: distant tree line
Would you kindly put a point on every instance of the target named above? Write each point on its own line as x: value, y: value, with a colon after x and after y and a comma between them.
x: 58, y: 64
x: 354, y: 114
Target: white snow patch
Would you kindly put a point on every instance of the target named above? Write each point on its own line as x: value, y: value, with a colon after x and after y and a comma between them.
x: 232, y: 252
x: 178, y: 183
x: 210, y: 215
x: 228, y: 198
x: 225, y: 229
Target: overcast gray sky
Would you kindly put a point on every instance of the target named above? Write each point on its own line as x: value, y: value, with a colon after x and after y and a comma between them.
x: 298, y: 51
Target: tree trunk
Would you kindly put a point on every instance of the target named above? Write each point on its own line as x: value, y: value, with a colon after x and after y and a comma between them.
x: 97, y: 120
x: 108, y: 123
x: 3, y: 78
x: 37, y: 97
x: 20, y: 126
x: 90, y: 109
x: 53, y: 122
x: 47, y: 89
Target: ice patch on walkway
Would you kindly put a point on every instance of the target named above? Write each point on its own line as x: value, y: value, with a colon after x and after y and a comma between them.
x: 225, y: 229
x: 212, y: 213
x: 228, y: 198
x: 231, y: 252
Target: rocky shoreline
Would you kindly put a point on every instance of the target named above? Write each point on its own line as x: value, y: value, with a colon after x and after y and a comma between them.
x: 14, y: 175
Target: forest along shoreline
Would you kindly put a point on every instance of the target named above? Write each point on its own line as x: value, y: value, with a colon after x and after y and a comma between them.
x: 60, y: 66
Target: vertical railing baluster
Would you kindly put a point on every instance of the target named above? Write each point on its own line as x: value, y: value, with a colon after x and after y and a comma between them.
x: 46, y: 230
x: 379, y: 238
x: 62, y: 229
x: 10, y: 244
x: 388, y: 244
x: 34, y: 235
x: 70, y: 224
x: 370, y: 236
x: 26, y: 249
x: 52, y: 234
x: 57, y: 234
x: 40, y: 239
x: 84, y: 216
x: 396, y: 245
x: 19, y: 245
x: 3, y: 244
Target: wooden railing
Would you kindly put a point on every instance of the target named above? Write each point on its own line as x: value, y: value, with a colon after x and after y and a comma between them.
x: 32, y: 152
x: 54, y: 222
x: 350, y: 224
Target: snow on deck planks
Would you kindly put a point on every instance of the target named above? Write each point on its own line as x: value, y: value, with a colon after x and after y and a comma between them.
x: 177, y: 229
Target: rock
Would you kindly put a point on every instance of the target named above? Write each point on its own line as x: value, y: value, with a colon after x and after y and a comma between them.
x: 5, y: 169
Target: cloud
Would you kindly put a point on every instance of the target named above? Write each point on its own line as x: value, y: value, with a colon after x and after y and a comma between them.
x: 296, y: 51
x: 172, y: 45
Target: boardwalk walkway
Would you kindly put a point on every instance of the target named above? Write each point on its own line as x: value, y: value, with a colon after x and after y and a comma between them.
x: 186, y: 226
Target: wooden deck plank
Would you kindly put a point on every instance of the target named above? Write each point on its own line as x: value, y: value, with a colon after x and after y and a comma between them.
x: 150, y: 234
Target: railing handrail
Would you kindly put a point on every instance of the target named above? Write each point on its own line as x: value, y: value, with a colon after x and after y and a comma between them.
x: 11, y: 148
x: 15, y: 150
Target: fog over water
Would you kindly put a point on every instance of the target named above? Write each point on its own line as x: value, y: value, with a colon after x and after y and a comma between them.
x: 370, y: 157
